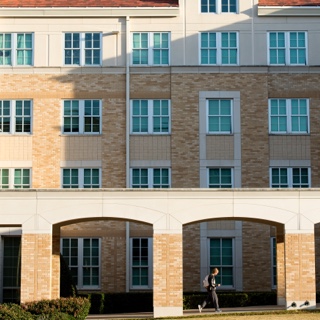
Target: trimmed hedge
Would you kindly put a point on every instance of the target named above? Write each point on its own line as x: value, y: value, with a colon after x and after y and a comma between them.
x: 11, y: 311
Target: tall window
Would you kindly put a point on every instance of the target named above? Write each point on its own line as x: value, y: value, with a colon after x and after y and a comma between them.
x: 16, y: 49
x: 290, y: 177
x: 219, y: 6
x: 150, y: 48
x: 288, y: 48
x: 289, y: 115
x: 11, y: 269
x: 82, y: 255
x: 219, y: 116
x: 15, y: 116
x: 150, y: 178
x: 219, y: 48
x: 82, y: 116
x: 150, y: 116
x: 82, y: 48
x: 141, y: 262
x: 220, y: 178
x: 11, y: 178
x: 88, y: 178
x: 274, y: 261
x: 221, y: 256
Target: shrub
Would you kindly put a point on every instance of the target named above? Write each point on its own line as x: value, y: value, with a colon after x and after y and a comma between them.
x: 13, y: 311
x: 67, y: 285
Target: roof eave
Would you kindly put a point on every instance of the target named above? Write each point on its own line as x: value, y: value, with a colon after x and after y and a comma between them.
x: 87, y: 12
x: 278, y: 11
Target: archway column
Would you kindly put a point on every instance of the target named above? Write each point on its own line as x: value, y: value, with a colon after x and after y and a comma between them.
x: 167, y: 268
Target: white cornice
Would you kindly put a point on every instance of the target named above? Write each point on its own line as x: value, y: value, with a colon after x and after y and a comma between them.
x: 87, y: 12
x: 288, y: 11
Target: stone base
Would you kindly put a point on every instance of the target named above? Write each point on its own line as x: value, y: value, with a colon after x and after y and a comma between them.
x: 159, y: 312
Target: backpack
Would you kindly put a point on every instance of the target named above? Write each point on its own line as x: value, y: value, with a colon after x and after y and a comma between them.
x: 205, y: 281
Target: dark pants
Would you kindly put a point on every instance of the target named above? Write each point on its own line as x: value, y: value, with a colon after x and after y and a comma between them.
x: 212, y: 297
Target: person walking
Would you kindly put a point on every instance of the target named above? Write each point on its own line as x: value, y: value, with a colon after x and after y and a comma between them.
x: 212, y: 294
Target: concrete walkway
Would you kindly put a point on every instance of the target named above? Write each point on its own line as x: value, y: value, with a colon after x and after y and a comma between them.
x: 191, y: 312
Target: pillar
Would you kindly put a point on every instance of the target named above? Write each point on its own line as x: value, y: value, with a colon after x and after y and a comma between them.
x: 281, y: 284
x: 55, y: 289
x: 36, y: 267
x: 300, y: 275
x: 167, y: 273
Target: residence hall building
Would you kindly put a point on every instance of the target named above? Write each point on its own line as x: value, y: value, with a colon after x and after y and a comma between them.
x: 211, y: 105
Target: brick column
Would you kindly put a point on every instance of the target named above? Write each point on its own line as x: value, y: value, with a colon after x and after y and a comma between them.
x: 281, y: 284
x: 55, y: 289
x: 300, y: 276
x: 167, y: 275
x: 36, y: 267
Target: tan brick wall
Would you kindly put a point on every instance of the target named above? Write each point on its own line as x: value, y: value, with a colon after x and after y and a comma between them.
x: 220, y: 147
x: 16, y: 148
x: 167, y: 259
x: 36, y: 267
x: 55, y: 290
x: 281, y: 277
x: 317, y: 253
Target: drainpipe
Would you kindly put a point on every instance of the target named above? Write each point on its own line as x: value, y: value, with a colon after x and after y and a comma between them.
x: 128, y: 55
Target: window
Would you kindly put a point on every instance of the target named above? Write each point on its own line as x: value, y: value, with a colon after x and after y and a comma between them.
x: 15, y: 178
x: 141, y: 262
x: 150, y: 48
x: 219, y: 6
x: 82, y: 49
x: 221, y: 257
x: 288, y: 48
x: 219, y: 48
x: 150, y: 178
x: 82, y: 255
x: 290, y: 177
x: 11, y: 269
x: 220, y: 178
x: 86, y: 178
x: 219, y: 116
x: 289, y: 116
x: 82, y: 116
x: 16, y: 49
x: 150, y: 116
x: 274, y: 261
x: 15, y: 116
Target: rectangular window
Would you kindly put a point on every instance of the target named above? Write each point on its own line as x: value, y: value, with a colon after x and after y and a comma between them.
x: 221, y: 257
x: 287, y: 48
x: 219, y: 6
x: 141, y: 262
x: 82, y: 116
x: 82, y: 49
x: 16, y: 49
x: 150, y: 178
x: 219, y: 48
x: 82, y: 255
x: 220, y: 178
x: 290, y: 177
x: 75, y: 178
x: 15, y: 116
x: 11, y: 178
x: 219, y: 113
x: 150, y: 116
x: 274, y: 261
x: 150, y: 48
x: 288, y: 116
x: 11, y: 269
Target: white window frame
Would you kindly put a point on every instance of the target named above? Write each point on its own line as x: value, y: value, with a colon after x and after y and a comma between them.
x: 82, y: 49
x: 289, y: 176
x: 287, y: 48
x: 80, y: 264
x: 150, y: 117
x: 221, y: 186
x: 231, y: 116
x: 150, y: 264
x: 81, y: 184
x: 219, y: 48
x: 151, y: 48
x: 150, y: 172
x: 218, y: 4
x: 81, y: 117
x: 14, y: 49
x: 289, y: 116
x: 13, y: 116
x: 11, y: 175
